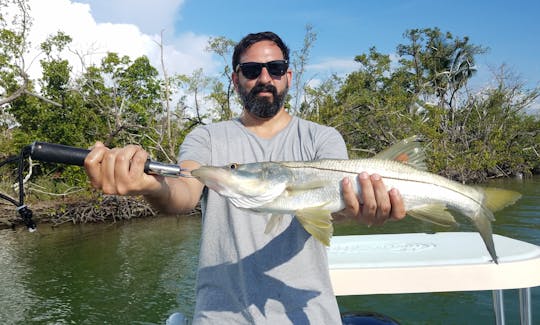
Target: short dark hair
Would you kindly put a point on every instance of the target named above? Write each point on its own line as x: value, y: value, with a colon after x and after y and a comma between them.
x: 253, y: 38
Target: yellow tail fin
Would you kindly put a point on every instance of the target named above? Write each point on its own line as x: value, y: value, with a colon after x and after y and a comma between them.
x: 496, y: 199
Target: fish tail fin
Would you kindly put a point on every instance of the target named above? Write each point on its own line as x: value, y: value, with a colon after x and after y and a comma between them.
x: 317, y: 222
x: 482, y: 222
x: 496, y: 199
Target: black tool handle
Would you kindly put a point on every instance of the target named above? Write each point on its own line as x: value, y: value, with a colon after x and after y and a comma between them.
x: 62, y: 154
x: 58, y: 153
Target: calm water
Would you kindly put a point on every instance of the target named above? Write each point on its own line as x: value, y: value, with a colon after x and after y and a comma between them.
x: 139, y: 272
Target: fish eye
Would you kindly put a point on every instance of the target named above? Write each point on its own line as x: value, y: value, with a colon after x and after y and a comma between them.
x: 233, y: 166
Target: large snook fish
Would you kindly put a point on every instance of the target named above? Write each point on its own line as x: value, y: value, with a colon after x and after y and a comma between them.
x: 311, y: 190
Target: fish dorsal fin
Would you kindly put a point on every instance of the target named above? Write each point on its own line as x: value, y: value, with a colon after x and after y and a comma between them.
x: 496, y: 199
x: 408, y: 151
x: 318, y: 222
x: 434, y: 213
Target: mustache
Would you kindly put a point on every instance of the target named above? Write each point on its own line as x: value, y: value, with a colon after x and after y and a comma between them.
x: 263, y: 87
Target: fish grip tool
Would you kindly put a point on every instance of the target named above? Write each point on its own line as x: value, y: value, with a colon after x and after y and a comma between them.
x: 62, y: 154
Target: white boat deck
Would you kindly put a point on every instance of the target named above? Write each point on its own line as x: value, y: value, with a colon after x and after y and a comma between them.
x: 419, y: 262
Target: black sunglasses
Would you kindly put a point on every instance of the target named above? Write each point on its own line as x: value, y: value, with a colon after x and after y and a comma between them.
x: 252, y: 70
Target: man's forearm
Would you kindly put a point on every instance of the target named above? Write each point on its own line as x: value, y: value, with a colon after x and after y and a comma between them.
x: 173, y: 198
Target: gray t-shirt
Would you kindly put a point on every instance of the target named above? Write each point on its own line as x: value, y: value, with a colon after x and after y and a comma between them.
x: 246, y: 276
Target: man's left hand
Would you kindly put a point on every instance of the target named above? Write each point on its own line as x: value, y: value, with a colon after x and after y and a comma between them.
x: 375, y: 205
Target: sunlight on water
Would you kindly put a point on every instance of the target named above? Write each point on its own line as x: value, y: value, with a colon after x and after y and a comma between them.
x: 140, y: 272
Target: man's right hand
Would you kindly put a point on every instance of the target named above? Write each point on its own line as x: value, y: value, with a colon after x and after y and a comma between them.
x: 120, y: 171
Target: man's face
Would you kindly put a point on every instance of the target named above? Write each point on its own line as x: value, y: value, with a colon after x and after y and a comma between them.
x: 264, y: 95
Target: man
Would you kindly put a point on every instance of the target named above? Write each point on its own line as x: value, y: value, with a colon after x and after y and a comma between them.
x: 244, y: 275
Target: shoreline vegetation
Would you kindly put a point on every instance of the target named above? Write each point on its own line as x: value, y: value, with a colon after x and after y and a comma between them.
x: 95, y: 208
x: 70, y: 210
x: 472, y: 134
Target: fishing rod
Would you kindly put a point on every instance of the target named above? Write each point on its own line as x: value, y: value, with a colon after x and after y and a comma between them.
x: 62, y: 154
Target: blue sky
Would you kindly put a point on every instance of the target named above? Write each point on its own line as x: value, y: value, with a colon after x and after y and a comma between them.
x: 510, y: 29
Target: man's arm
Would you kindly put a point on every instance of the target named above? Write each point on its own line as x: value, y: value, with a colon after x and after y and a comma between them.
x: 120, y: 171
x: 177, y: 194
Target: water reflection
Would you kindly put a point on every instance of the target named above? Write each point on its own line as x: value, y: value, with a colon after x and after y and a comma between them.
x: 133, y: 272
x: 15, y: 298
x: 140, y: 272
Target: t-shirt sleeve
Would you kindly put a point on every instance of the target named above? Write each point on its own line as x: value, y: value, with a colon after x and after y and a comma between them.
x: 196, y: 147
x: 330, y: 144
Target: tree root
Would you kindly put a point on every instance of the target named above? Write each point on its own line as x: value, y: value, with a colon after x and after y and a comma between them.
x: 102, y: 208
x: 106, y: 208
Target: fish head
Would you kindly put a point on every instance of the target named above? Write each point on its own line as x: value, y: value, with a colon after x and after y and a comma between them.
x: 246, y: 185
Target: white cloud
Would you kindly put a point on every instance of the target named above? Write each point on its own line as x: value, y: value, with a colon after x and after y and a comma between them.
x: 93, y: 38
x: 317, y: 73
x: 337, y: 66
x: 344, y: 66
x: 186, y: 53
x: 150, y: 16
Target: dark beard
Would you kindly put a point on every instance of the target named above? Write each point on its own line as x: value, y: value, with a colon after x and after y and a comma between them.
x: 262, y: 107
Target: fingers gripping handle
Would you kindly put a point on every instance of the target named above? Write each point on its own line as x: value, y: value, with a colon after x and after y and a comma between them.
x: 62, y: 154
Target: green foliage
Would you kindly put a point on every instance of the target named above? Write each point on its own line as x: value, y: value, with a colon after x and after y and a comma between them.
x: 439, y: 63
x: 470, y: 137
x: 222, y: 88
x: 370, y: 104
x: 221, y: 97
x: 299, y: 60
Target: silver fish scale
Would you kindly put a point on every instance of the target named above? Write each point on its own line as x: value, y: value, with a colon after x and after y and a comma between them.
x: 388, y: 169
x: 311, y: 190
x: 392, y: 169
x: 412, y: 183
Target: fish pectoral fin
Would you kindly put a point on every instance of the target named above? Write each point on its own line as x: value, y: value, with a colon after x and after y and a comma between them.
x: 434, y: 213
x: 318, y: 222
x: 272, y: 224
x: 310, y: 185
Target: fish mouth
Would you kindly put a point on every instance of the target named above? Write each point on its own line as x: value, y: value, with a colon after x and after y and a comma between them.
x: 198, y: 173
x: 227, y: 184
x: 208, y: 175
x: 218, y: 180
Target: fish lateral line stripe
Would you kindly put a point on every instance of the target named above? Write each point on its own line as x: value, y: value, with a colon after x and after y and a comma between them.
x: 388, y: 177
